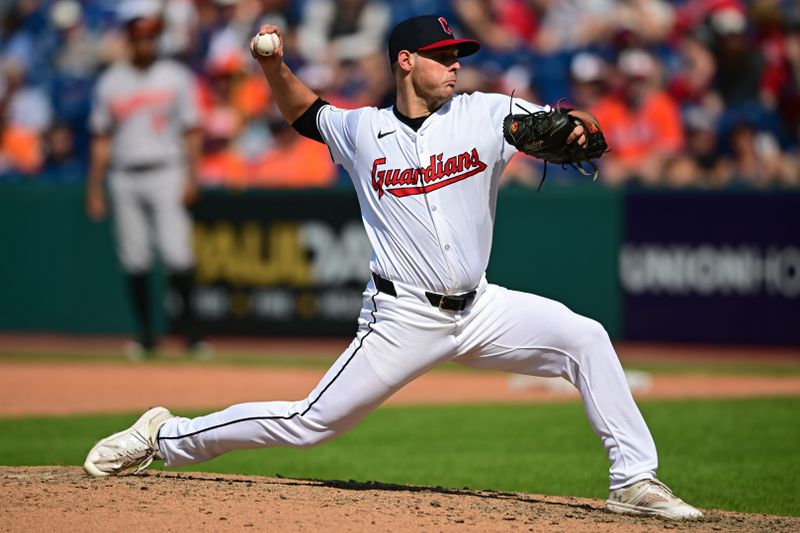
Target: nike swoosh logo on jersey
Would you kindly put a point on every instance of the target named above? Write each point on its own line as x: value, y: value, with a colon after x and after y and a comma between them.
x: 382, y: 134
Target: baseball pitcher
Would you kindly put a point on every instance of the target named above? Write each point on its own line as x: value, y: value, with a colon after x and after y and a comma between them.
x: 426, y: 173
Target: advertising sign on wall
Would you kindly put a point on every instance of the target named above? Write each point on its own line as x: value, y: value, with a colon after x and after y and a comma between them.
x: 712, y: 267
x: 280, y: 264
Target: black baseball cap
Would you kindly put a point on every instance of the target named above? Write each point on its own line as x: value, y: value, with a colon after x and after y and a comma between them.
x: 427, y: 32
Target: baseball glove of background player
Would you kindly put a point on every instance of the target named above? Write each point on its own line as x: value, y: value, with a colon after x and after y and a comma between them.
x: 543, y: 134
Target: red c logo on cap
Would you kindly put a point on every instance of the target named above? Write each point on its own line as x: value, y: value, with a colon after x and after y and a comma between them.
x: 445, y: 26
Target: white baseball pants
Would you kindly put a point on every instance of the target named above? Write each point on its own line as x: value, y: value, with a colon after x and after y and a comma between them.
x: 402, y: 337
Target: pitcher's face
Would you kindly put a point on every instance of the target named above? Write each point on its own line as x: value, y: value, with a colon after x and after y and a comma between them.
x: 435, y: 72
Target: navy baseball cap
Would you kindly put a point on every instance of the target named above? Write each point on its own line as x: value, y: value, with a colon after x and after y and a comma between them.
x: 427, y: 32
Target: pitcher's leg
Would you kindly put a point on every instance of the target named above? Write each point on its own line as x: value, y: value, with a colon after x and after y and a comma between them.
x: 528, y: 334
x: 395, y: 344
x: 347, y: 393
x: 399, y: 338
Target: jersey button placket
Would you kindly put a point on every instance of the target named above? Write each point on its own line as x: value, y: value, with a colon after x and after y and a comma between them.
x: 424, y: 160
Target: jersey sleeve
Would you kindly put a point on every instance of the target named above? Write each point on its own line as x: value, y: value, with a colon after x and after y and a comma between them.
x: 339, y: 128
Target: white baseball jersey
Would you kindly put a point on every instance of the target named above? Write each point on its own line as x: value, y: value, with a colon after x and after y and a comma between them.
x: 428, y: 196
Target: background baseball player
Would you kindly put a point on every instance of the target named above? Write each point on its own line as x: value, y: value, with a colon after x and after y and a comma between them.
x: 146, y: 139
x: 426, y: 173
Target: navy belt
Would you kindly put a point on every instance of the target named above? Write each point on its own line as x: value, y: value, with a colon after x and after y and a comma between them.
x: 448, y: 302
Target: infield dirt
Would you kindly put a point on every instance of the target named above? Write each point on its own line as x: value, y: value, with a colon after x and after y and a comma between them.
x: 48, y: 499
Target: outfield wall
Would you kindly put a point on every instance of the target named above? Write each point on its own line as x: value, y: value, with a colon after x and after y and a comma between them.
x: 706, y: 266
x: 678, y: 266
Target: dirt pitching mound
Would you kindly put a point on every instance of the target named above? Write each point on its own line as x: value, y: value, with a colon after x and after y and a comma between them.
x: 65, y: 499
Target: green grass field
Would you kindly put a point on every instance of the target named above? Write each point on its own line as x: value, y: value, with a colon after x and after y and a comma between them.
x: 739, y: 455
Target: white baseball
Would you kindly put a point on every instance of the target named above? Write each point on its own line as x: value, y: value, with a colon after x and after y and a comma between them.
x: 267, y: 43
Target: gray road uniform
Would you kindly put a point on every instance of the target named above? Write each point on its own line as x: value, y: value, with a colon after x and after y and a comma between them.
x: 146, y: 113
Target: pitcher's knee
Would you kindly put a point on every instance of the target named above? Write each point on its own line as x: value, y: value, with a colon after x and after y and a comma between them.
x: 308, y: 432
x: 587, y: 334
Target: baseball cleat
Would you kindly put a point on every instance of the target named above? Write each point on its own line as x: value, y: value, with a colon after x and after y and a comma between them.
x: 133, y: 447
x: 650, y: 497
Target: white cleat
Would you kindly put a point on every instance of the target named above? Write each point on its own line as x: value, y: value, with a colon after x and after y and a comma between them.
x: 133, y: 447
x: 650, y: 497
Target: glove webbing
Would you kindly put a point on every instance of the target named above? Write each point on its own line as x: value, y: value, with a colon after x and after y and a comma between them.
x: 578, y: 166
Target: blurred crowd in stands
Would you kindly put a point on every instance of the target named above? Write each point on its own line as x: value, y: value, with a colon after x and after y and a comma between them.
x: 692, y: 93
